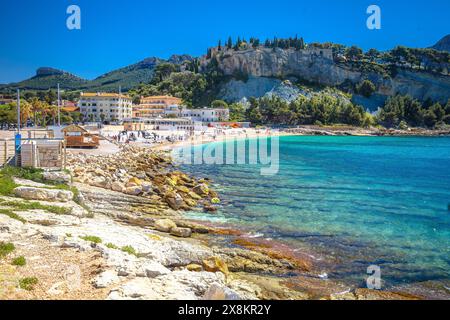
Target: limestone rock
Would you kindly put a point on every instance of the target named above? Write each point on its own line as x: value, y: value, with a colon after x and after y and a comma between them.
x: 174, y: 200
x: 134, y: 191
x: 181, y: 232
x: 58, y: 176
x: 218, y: 292
x: 201, y: 190
x: 117, y: 186
x: 194, y: 267
x: 194, y: 196
x: 153, y: 269
x: 105, y: 279
x: 146, y: 186
x: 32, y: 193
x: 100, y: 182
x: 164, y: 225
x: 215, y: 264
x: 135, y: 181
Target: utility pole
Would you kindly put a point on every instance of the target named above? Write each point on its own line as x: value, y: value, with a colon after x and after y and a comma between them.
x: 18, y: 136
x: 59, y: 108
x: 18, y: 111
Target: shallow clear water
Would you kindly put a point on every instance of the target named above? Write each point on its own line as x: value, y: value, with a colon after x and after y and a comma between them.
x: 353, y: 201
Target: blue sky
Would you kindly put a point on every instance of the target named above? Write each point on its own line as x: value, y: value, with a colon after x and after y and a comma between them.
x: 118, y: 33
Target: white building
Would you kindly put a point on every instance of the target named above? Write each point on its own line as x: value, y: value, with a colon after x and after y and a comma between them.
x: 105, y: 106
x: 207, y: 115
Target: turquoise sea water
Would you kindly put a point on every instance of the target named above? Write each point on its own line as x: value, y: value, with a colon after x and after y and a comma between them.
x: 351, y: 201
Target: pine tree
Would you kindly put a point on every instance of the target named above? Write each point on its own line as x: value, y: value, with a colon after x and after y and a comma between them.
x: 220, y: 45
x: 230, y: 43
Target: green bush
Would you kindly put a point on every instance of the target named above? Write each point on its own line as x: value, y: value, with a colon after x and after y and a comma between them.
x: 7, y: 185
x: 19, y: 261
x: 6, y: 248
x: 129, y: 250
x: 28, y: 283
x: 366, y: 88
x: 24, y: 173
x: 92, y: 239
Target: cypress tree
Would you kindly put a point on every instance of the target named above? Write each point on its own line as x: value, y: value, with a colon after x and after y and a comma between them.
x: 230, y: 43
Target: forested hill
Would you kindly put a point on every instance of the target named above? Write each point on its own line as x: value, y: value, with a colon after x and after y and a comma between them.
x: 127, y: 77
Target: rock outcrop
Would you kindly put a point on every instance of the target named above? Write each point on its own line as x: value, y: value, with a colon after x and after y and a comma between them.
x: 143, y: 173
x: 261, y: 64
x: 35, y: 193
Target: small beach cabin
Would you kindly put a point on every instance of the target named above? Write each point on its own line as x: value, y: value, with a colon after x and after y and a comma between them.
x: 78, y: 137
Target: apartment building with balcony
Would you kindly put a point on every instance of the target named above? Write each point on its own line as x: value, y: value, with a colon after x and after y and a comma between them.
x: 105, y: 106
x: 206, y: 115
x: 154, y: 106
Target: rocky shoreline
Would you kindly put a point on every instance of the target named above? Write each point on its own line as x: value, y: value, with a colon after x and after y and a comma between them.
x: 357, y: 131
x: 119, y: 233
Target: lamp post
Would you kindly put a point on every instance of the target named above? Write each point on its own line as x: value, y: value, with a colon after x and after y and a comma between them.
x: 59, y: 108
x: 18, y: 136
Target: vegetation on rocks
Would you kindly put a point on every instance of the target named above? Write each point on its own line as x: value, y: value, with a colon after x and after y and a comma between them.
x: 93, y: 239
x: 12, y: 215
x: 6, y: 248
x: 28, y: 283
x: 129, y: 250
x: 111, y: 246
x: 7, y: 185
x: 19, y: 261
x: 26, y: 205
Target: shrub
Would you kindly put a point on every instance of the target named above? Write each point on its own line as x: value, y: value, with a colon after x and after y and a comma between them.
x: 28, y: 283
x: 111, y: 246
x: 19, y: 261
x: 6, y: 248
x: 129, y: 250
x: 24, y: 173
x: 366, y: 88
x: 7, y: 185
x: 92, y: 239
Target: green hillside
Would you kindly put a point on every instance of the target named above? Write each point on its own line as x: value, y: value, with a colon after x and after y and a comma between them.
x: 127, y: 77
x: 47, y: 78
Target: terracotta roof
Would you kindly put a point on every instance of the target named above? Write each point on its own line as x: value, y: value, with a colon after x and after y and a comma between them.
x: 70, y: 108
